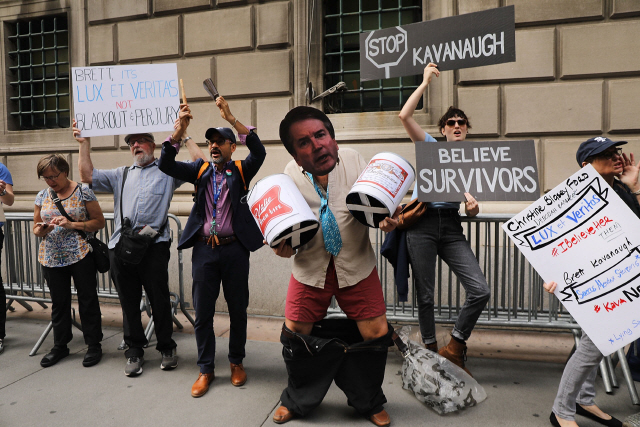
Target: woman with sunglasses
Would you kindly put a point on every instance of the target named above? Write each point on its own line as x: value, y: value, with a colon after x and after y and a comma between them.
x: 439, y: 232
x: 64, y: 254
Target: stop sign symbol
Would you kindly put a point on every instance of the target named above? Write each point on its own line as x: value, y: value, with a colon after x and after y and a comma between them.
x: 386, y: 48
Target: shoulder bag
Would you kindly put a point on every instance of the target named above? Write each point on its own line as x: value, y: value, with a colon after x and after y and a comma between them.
x: 99, y: 249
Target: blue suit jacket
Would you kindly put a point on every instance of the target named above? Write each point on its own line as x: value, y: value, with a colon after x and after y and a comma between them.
x: 244, y: 226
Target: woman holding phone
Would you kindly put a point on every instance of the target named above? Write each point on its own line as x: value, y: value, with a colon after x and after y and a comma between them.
x: 64, y: 254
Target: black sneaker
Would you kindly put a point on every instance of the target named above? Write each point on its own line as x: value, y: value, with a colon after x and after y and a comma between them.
x: 169, y: 360
x: 134, y: 366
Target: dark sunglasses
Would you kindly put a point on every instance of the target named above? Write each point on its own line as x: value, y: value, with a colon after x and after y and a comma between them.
x: 140, y: 141
x: 610, y: 154
x: 220, y: 142
x: 452, y: 123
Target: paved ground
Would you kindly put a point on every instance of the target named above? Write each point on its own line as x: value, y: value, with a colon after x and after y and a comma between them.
x: 520, y: 392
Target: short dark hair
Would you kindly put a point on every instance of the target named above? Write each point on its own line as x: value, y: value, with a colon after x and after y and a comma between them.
x: 55, y: 161
x: 298, y: 114
x: 452, y: 112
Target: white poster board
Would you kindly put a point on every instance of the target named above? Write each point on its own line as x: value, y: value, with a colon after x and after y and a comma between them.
x: 125, y: 99
x: 584, y: 237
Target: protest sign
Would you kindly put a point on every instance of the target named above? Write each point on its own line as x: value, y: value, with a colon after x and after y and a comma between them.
x: 584, y: 237
x: 464, y: 41
x: 125, y: 99
x: 490, y: 171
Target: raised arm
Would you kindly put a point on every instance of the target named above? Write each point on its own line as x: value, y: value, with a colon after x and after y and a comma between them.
x: 413, y: 129
x: 225, y: 113
x: 85, y: 166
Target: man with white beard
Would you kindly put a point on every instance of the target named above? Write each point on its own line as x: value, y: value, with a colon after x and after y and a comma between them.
x: 143, y: 199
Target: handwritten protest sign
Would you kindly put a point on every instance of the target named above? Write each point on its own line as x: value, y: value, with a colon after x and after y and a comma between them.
x: 125, y: 99
x: 584, y: 237
x: 490, y: 171
x: 464, y: 41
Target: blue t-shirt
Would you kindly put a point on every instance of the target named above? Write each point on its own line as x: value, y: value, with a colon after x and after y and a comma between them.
x: 5, y: 176
x: 434, y: 205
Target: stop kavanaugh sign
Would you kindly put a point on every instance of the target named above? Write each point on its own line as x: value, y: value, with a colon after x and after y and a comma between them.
x: 464, y: 41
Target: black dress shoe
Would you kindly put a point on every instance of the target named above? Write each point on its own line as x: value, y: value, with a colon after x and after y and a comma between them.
x: 613, y: 422
x: 554, y: 420
x: 93, y: 356
x: 54, y: 356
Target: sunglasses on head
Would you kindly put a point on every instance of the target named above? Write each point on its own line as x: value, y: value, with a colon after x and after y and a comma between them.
x: 452, y: 122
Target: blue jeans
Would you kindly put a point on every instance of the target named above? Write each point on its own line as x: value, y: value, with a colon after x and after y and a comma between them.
x: 439, y: 232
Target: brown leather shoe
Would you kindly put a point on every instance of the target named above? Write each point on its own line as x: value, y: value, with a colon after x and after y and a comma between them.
x: 282, y: 415
x: 238, y: 375
x: 433, y: 347
x: 456, y: 353
x: 382, y: 418
x: 201, y: 386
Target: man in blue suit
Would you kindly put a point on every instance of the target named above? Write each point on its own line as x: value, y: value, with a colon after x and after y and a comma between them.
x: 222, y: 233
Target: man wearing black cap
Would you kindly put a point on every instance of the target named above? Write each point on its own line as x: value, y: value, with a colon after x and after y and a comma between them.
x: 142, y: 195
x: 222, y: 233
x: 576, y: 392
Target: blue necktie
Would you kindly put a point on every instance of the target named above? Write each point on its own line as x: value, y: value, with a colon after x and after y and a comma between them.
x: 330, y: 230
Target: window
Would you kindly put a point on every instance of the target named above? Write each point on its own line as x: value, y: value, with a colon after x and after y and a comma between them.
x: 38, y: 73
x: 344, y: 20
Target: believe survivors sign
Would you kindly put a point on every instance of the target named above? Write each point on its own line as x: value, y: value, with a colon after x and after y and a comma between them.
x: 125, y: 99
x: 464, y: 41
x: 584, y: 237
x: 490, y: 171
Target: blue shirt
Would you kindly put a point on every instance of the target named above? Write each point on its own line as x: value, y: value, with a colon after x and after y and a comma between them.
x: 147, y: 196
x: 434, y: 205
x: 5, y: 175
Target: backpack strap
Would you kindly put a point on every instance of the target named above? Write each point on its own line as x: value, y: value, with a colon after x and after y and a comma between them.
x: 203, y: 168
x: 239, y: 166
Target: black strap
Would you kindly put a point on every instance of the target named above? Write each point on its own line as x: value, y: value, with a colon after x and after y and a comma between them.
x: 56, y: 200
x: 124, y: 178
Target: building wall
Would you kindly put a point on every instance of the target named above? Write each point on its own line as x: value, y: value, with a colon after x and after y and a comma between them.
x: 577, y: 75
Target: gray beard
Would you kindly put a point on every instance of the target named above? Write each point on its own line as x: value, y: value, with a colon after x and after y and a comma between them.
x: 218, y: 161
x: 144, y: 159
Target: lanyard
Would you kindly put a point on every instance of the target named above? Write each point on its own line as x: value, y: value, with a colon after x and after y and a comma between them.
x: 217, y: 189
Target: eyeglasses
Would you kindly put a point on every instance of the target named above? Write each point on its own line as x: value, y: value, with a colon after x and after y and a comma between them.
x: 140, y: 141
x: 608, y: 155
x: 220, y: 142
x: 452, y: 123
x: 50, y: 178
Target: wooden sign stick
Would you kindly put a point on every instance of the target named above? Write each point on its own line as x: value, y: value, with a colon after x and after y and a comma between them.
x: 184, y: 97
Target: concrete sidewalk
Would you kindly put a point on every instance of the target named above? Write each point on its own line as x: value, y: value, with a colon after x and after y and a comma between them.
x: 520, y: 392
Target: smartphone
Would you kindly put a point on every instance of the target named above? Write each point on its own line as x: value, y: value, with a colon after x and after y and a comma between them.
x: 43, y: 224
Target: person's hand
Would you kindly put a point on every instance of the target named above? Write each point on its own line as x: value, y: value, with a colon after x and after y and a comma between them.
x: 283, y: 249
x: 184, y: 118
x: 630, y: 172
x: 3, y: 186
x: 62, y: 222
x: 429, y: 71
x: 41, y: 230
x: 225, y: 112
x: 471, y: 207
x: 550, y: 287
x: 76, y: 133
x: 389, y: 224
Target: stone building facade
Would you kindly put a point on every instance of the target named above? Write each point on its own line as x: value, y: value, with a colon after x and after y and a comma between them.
x: 577, y: 75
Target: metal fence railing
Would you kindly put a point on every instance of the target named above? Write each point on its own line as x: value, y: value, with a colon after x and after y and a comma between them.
x: 24, y: 282
x: 517, y: 296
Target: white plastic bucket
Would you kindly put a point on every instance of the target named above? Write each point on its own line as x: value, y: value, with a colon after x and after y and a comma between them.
x: 380, y: 188
x: 281, y: 212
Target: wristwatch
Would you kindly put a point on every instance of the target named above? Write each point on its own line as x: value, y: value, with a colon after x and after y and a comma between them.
x: 184, y: 141
x: 3, y: 192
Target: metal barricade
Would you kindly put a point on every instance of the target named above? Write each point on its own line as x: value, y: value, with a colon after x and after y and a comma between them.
x: 24, y: 280
x: 517, y: 296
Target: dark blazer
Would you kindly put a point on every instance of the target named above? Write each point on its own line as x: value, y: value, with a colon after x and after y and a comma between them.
x: 244, y: 226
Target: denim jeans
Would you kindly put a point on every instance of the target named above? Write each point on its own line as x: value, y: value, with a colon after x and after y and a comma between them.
x: 439, y: 232
x: 578, y: 380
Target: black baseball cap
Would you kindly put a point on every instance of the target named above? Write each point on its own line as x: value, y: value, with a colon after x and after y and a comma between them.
x: 225, y: 132
x: 594, y: 146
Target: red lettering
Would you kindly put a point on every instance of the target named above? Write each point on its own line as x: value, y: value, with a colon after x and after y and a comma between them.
x: 583, y: 234
x: 596, y: 308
